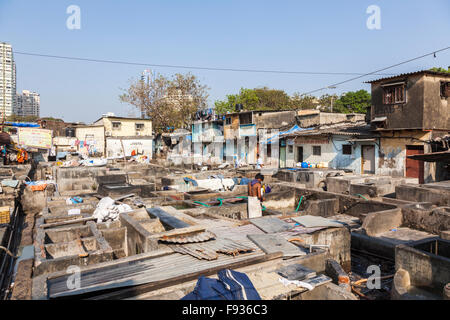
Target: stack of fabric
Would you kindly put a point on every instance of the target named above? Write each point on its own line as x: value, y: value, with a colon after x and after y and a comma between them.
x: 231, y: 285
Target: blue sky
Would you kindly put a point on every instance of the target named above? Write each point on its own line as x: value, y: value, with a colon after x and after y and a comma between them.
x: 324, y: 36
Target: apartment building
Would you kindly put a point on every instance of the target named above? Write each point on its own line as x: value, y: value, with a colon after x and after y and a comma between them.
x: 28, y: 104
x: 409, y: 110
x: 7, y: 80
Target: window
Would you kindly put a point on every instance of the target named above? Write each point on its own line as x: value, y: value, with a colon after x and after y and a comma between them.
x: 317, y: 151
x: 445, y: 89
x: 291, y: 149
x: 394, y: 94
x: 347, y: 149
x: 139, y: 126
x: 227, y: 120
x: 116, y: 125
x: 245, y: 118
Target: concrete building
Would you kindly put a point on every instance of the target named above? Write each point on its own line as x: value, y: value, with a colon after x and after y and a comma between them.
x: 28, y: 104
x: 91, y: 139
x: 113, y: 136
x: 7, y: 80
x: 410, y: 110
x: 207, y: 141
x: 125, y: 127
x: 349, y: 146
x: 245, y: 133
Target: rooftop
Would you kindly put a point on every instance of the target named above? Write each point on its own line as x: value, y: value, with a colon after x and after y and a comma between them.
x: 429, y: 72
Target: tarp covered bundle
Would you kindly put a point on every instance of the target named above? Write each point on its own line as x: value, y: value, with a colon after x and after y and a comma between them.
x: 231, y: 285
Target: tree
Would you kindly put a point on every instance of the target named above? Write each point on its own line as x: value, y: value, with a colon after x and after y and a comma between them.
x: 254, y: 99
x: 299, y: 102
x: 168, y: 102
x: 271, y: 99
x: 17, y: 118
x: 435, y: 69
x: 326, y: 100
x: 246, y: 97
x: 353, y: 102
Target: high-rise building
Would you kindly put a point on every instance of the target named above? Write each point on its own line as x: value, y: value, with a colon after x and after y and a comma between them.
x: 28, y: 104
x: 7, y: 80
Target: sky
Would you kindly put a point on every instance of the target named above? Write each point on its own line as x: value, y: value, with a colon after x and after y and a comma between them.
x: 295, y: 35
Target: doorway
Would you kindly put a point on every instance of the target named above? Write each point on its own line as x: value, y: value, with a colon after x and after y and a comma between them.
x: 414, y: 168
x: 299, y: 154
x: 368, y: 159
x: 283, y: 157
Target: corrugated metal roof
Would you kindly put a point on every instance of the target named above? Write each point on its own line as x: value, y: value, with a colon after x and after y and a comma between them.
x: 189, y: 238
x: 140, y: 272
x: 356, y: 129
x: 209, y: 250
x: 432, y: 157
x: 410, y: 74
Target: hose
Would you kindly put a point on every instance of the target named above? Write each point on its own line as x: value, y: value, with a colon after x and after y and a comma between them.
x: 203, y: 204
x: 221, y: 201
x: 8, y: 252
x: 299, y: 203
x: 361, y: 196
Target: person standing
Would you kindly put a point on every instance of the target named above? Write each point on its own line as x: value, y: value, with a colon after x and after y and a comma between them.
x: 259, y: 162
x: 255, y: 196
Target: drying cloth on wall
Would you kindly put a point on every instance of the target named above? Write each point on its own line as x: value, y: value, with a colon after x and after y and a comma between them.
x: 216, y: 184
x: 40, y: 187
x: 10, y: 183
x: 187, y: 180
x: 231, y: 285
x: 74, y: 200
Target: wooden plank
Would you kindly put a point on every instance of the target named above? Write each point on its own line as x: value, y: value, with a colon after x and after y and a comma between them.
x: 178, y: 232
x: 144, y: 288
x: 124, y: 197
x: 63, y: 223
x: 271, y: 243
x: 270, y: 225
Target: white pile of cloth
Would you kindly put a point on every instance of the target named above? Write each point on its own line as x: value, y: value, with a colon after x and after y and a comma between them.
x: 70, y: 164
x: 94, y: 162
x: 107, y: 210
x: 216, y: 184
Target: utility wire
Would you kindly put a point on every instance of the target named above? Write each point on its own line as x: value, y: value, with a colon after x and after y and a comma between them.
x: 376, y: 71
x: 190, y: 67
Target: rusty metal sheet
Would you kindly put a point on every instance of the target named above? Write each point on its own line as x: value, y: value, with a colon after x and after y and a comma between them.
x: 195, y: 251
x: 190, y: 238
x: 209, y: 250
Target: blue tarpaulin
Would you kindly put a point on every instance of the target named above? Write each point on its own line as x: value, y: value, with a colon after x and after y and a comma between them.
x: 23, y: 124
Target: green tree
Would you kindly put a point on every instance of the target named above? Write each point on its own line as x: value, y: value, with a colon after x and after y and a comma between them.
x: 299, y: 102
x: 246, y: 97
x: 254, y: 99
x: 439, y: 69
x: 271, y: 99
x: 326, y: 101
x: 353, y: 102
x: 16, y: 118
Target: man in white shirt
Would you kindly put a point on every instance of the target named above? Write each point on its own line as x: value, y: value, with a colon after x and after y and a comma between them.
x: 259, y: 162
